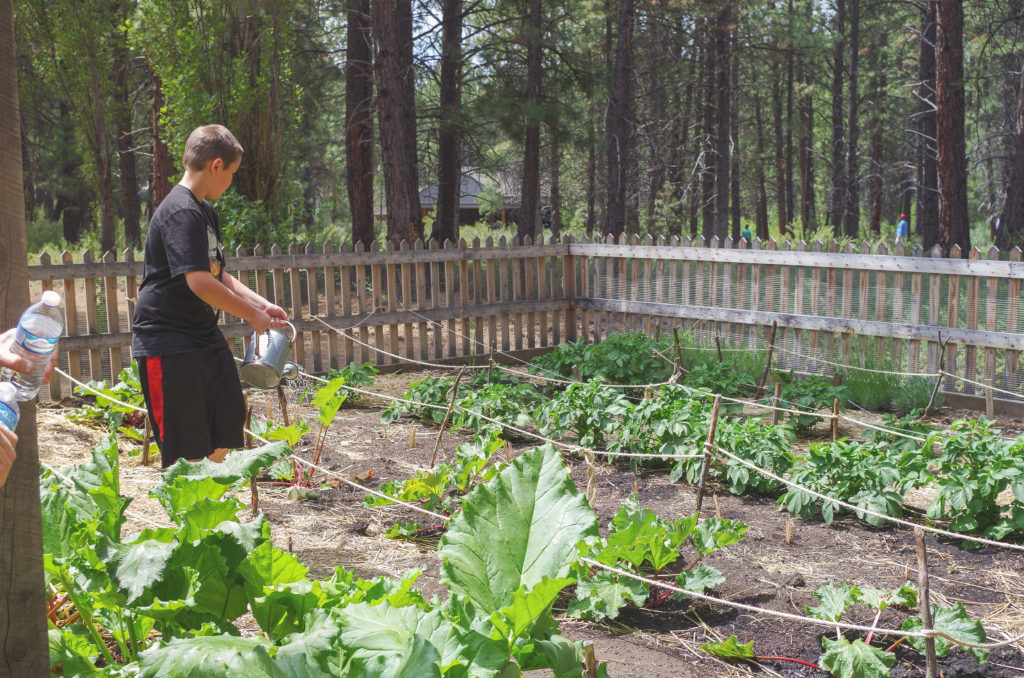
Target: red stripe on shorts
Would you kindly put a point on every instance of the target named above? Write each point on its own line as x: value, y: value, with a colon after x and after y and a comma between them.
x: 155, y: 374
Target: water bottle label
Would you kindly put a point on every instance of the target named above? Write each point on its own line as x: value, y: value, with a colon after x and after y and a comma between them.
x: 8, y: 417
x: 34, y: 343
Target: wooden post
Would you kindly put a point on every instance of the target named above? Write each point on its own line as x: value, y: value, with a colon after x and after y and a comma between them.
x: 938, y: 379
x: 24, y: 648
x: 931, y: 660
x: 718, y: 347
x: 145, y: 443
x: 283, y: 401
x: 776, y: 400
x: 679, y: 354
x: 589, y: 660
x: 768, y: 364
x: 447, y: 415
x: 835, y: 419
x: 990, y: 407
x: 248, y: 445
x: 708, y: 447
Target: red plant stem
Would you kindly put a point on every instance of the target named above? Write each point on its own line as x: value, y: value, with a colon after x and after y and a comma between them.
x: 790, y: 659
x: 871, y: 634
x: 894, y: 645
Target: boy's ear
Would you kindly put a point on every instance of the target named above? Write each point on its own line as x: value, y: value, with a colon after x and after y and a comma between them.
x: 216, y: 163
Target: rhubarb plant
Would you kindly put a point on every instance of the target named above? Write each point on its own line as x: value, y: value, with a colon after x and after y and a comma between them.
x: 642, y: 543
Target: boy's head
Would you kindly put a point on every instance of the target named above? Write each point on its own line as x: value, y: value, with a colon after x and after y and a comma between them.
x: 209, y: 143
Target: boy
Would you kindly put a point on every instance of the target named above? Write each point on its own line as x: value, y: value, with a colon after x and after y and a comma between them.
x: 187, y: 370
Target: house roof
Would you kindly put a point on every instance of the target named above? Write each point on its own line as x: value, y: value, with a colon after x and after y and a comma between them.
x: 471, y: 187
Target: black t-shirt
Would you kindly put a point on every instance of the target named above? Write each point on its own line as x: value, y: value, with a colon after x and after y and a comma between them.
x: 184, y: 235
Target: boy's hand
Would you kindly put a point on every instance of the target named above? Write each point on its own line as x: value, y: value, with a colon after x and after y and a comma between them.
x: 276, y: 312
x: 8, y: 358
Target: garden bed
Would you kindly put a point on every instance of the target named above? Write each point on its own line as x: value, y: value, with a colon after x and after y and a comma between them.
x: 777, y: 566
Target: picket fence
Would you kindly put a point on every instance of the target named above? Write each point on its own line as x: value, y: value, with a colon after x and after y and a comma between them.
x: 893, y: 309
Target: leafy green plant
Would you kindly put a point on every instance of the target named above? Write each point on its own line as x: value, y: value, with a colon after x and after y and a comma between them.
x: 671, y: 423
x: 359, y: 375
x: 126, y: 419
x: 808, y: 395
x: 560, y: 361
x: 763, y: 445
x: 428, y: 399
x: 974, y: 465
x: 722, y: 378
x: 441, y: 488
x: 641, y: 542
x: 508, y: 403
x: 624, y: 358
x: 591, y: 411
x: 862, y: 474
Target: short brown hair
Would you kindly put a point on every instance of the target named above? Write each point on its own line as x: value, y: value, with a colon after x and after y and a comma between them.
x: 209, y: 142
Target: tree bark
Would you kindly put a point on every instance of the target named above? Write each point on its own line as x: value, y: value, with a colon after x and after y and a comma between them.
x: 449, y: 142
x: 622, y: 198
x: 927, y: 216
x: 780, y: 158
x: 24, y: 647
x: 761, y: 211
x: 1011, y: 220
x: 723, y: 26
x: 734, y: 161
x: 837, y: 192
x: 163, y: 166
x: 130, y: 211
x: 529, y: 213
x: 851, y: 214
x: 393, y: 65
x: 556, y: 185
x: 952, y: 157
x: 805, y: 115
x: 707, y: 165
x: 359, y: 121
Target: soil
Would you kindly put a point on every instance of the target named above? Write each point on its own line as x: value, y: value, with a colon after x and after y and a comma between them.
x: 765, y: 570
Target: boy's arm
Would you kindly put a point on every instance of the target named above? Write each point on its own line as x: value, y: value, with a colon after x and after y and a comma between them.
x: 227, y: 297
x: 274, y: 311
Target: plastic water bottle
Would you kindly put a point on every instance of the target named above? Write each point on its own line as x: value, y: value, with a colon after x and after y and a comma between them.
x: 39, y: 329
x: 9, y: 412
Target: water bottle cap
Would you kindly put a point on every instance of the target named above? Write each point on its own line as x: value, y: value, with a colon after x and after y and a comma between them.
x: 51, y: 298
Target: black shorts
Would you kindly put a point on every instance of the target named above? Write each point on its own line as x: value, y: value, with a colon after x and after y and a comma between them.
x: 195, y: 402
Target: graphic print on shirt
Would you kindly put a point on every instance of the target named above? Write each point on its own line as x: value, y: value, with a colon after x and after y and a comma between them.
x: 214, y: 251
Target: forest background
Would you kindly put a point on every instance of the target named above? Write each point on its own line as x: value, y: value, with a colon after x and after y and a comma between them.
x: 797, y: 119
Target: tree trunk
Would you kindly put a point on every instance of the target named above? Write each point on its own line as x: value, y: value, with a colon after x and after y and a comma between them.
x: 392, y: 30
x: 529, y: 212
x: 707, y: 166
x: 734, y: 164
x: 723, y: 25
x: 805, y: 114
x: 927, y: 216
x: 837, y: 192
x: 130, y: 212
x: 556, y: 186
x: 24, y: 648
x: 952, y: 157
x: 790, y: 78
x: 1011, y: 221
x: 622, y: 198
x: 163, y: 166
x: 780, y: 158
x: 449, y: 142
x: 359, y: 121
x: 875, y: 182
x: 761, y: 214
x: 591, y: 217
x: 851, y: 215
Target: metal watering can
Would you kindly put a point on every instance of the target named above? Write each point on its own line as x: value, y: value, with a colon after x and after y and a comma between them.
x: 266, y: 358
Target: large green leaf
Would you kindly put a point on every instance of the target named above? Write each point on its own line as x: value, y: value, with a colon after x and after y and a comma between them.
x: 236, y: 468
x: 72, y: 650
x: 315, y: 653
x: 517, y: 529
x: 730, y: 649
x: 209, y: 657
x: 527, y: 607
x: 855, y: 660
x: 957, y: 623
x: 604, y: 594
x: 135, y: 567
x: 384, y: 639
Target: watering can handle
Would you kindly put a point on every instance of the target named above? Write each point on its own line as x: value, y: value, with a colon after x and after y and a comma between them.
x: 295, y: 332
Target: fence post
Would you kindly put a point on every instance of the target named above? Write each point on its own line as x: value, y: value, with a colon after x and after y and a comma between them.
x: 709, y: 445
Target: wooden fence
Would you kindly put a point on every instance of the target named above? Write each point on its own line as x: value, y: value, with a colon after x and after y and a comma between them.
x: 470, y: 301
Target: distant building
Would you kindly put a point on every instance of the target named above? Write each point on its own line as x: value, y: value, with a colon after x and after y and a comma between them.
x: 473, y: 184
